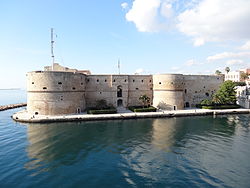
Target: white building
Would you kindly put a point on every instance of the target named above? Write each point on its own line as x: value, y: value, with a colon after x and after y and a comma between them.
x: 243, y: 96
x: 233, y: 76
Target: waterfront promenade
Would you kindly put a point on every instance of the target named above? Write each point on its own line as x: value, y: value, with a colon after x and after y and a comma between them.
x: 23, y: 116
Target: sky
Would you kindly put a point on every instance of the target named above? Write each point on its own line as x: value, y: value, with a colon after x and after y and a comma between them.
x: 148, y: 36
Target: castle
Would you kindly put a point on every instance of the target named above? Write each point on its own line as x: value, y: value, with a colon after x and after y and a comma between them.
x: 59, y: 90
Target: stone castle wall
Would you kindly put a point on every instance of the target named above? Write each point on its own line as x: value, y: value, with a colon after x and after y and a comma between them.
x: 54, y: 92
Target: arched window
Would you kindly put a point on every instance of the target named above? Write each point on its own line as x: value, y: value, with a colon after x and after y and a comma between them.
x: 119, y: 91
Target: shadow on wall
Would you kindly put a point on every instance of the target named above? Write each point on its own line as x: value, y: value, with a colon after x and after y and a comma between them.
x: 164, y: 106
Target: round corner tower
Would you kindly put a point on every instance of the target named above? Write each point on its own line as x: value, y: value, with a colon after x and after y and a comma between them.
x: 168, y: 91
x: 55, y: 93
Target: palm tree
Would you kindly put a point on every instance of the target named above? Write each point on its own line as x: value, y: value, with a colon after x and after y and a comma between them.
x: 145, y: 100
x: 227, y: 69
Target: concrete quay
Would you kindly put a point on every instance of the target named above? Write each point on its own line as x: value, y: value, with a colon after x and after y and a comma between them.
x: 24, y: 117
x: 11, y: 106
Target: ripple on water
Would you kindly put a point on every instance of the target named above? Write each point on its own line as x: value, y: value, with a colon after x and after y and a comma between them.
x: 173, y: 152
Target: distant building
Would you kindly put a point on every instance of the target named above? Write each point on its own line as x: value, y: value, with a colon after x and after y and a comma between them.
x: 243, y: 96
x: 235, y: 76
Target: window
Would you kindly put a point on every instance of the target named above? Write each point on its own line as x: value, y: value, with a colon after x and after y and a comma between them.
x: 73, y: 88
x: 97, y: 80
x: 60, y: 83
x: 136, y: 88
x: 36, y: 113
x: 125, y: 80
x: 81, y: 83
x: 32, y: 82
x: 113, y: 80
x: 159, y: 82
x: 44, y: 87
x: 105, y: 80
x: 150, y: 81
x: 141, y: 80
x: 185, y: 90
x: 207, y: 94
x: 119, y: 91
x: 133, y: 80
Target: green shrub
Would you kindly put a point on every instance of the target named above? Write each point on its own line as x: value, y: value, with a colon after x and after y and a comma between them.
x: 225, y: 106
x: 206, y: 102
x: 141, y: 109
x: 104, y: 111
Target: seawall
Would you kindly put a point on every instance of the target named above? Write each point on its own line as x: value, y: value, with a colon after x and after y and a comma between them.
x: 24, y: 117
x: 11, y: 106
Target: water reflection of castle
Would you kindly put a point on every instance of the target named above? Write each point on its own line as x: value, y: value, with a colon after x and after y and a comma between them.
x: 69, y: 143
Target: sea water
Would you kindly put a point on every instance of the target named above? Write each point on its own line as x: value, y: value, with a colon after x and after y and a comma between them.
x: 203, y: 151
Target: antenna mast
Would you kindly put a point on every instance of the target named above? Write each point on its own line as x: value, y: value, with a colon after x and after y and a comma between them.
x: 52, y: 48
x: 119, y: 66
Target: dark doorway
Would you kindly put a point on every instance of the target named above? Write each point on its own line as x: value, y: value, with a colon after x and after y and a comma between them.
x: 174, y: 107
x: 187, y: 105
x: 119, y: 91
x: 119, y: 102
x: 78, y: 110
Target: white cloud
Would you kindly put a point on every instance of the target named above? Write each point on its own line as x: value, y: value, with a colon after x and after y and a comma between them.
x: 226, y: 55
x: 234, y: 62
x: 246, y: 46
x: 166, y: 10
x: 216, y: 20
x: 202, y: 20
x: 192, y: 62
x: 139, y: 71
x: 144, y: 15
x: 124, y: 5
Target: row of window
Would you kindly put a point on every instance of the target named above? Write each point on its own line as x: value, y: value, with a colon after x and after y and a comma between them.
x: 115, y: 80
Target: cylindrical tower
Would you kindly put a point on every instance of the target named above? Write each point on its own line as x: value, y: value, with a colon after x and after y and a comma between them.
x: 55, y: 93
x: 168, y: 91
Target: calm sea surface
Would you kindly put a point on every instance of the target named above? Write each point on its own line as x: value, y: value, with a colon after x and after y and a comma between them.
x: 176, y: 152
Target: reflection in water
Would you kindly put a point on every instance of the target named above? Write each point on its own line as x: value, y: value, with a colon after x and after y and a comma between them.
x: 149, y: 152
x: 66, y: 143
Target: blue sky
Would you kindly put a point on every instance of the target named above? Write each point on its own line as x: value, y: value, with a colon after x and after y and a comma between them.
x: 149, y: 36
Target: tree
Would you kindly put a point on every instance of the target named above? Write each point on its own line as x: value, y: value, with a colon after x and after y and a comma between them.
x: 206, y: 102
x: 145, y: 100
x: 217, y: 72
x: 227, y: 69
x: 243, y: 76
x: 226, y: 93
x: 216, y: 99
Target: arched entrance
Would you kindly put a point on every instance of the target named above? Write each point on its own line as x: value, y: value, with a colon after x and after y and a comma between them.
x: 119, y: 102
x: 119, y: 91
x: 187, y: 105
